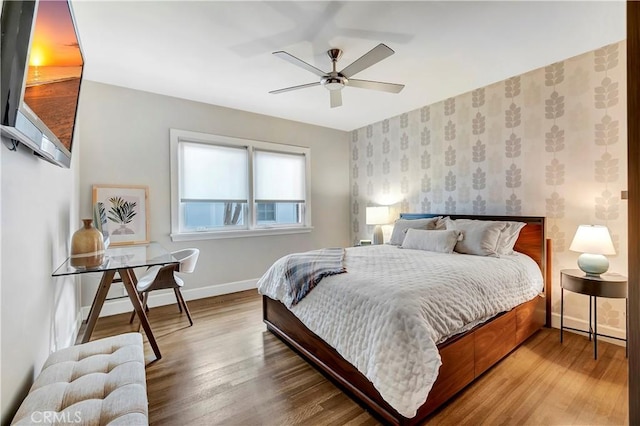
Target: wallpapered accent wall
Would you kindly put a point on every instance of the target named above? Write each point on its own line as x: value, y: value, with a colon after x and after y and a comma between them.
x: 551, y: 142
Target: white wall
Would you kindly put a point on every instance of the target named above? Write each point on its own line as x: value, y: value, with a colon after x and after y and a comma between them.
x: 127, y: 142
x: 38, y: 313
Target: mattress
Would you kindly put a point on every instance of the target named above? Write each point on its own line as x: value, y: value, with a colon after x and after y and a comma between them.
x: 392, y: 307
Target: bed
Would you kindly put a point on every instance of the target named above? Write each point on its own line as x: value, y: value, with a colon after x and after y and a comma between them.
x: 464, y: 356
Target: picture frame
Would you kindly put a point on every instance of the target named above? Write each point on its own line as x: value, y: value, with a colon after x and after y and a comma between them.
x: 127, y: 211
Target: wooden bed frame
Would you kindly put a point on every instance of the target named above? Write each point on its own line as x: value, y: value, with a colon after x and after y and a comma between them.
x: 464, y: 357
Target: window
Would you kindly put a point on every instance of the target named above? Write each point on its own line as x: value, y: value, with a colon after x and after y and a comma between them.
x: 226, y: 187
x: 266, y: 212
x: 279, y: 187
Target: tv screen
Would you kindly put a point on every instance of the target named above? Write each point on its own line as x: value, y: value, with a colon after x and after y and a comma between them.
x: 43, y: 63
x: 55, y: 68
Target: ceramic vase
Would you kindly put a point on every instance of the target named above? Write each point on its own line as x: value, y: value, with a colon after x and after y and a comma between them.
x: 87, y: 246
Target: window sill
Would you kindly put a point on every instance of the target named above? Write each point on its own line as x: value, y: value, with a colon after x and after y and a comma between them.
x: 218, y: 235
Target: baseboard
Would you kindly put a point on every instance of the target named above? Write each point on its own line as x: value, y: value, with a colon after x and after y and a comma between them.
x: 167, y: 297
x: 160, y: 298
x: 584, y: 325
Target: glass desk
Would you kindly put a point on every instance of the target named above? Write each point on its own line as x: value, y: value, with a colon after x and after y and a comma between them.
x: 123, y: 260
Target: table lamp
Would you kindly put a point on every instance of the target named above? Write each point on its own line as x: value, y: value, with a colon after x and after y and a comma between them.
x: 377, y: 216
x: 593, y: 241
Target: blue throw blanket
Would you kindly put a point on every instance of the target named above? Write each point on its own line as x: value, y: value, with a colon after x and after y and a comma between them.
x: 303, y: 271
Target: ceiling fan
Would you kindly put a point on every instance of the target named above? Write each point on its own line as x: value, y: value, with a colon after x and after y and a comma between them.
x: 335, y: 80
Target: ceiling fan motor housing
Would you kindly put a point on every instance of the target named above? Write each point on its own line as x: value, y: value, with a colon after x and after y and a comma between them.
x: 334, y: 82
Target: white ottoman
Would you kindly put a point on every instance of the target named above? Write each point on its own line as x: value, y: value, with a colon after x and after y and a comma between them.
x: 96, y: 383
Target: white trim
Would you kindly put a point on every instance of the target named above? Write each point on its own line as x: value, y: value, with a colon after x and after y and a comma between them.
x: 584, y: 325
x: 161, y: 298
x: 260, y: 232
x: 173, y: 171
x: 167, y: 297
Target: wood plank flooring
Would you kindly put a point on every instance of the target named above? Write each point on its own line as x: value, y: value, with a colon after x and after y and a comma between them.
x: 228, y: 370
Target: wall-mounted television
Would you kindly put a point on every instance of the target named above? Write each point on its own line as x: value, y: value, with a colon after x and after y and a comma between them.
x: 41, y: 64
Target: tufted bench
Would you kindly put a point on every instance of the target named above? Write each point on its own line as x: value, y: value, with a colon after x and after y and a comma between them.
x: 96, y: 383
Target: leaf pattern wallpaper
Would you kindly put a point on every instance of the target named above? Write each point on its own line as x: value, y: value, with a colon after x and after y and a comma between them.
x: 551, y: 142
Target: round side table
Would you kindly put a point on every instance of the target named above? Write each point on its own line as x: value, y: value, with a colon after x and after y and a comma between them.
x: 606, y: 285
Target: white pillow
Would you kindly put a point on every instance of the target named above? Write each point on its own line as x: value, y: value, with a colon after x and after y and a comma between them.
x: 509, y: 236
x: 479, y: 237
x: 401, y: 226
x: 438, y: 241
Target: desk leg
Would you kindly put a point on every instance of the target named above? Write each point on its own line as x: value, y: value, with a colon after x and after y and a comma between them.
x: 98, y: 301
x: 626, y: 331
x: 93, y: 306
x: 128, y: 280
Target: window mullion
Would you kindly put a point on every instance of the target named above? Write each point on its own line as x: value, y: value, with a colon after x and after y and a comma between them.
x: 252, y: 214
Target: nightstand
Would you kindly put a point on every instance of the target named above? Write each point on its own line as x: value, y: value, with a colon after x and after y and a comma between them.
x: 606, y: 285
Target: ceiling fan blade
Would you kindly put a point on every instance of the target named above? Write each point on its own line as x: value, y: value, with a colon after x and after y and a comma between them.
x: 288, y: 89
x: 370, y: 58
x: 336, y: 98
x: 376, y: 85
x: 299, y: 62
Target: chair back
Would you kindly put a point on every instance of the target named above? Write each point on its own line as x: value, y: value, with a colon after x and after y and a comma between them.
x: 187, y: 259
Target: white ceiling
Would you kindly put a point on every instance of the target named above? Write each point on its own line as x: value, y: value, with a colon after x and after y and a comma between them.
x: 220, y: 52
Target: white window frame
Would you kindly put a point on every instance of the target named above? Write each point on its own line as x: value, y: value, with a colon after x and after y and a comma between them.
x: 252, y: 229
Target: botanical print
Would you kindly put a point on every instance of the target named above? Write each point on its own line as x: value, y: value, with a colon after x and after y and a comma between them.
x: 550, y: 142
x: 126, y: 209
x: 122, y: 212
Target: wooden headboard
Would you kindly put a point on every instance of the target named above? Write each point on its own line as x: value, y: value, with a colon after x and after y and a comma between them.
x: 530, y: 242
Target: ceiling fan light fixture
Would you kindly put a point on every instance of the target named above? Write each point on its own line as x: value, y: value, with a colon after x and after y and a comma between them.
x: 334, y: 83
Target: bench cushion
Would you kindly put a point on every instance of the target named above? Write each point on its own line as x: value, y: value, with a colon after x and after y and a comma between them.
x: 97, y: 383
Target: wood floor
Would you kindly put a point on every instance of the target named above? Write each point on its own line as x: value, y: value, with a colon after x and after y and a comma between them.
x: 228, y: 370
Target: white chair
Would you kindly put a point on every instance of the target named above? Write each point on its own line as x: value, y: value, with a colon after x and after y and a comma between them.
x: 159, y: 277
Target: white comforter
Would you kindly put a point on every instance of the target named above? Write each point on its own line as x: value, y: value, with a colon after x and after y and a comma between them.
x: 388, y: 312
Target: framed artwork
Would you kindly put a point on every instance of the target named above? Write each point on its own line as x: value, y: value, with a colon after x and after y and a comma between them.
x: 127, y: 212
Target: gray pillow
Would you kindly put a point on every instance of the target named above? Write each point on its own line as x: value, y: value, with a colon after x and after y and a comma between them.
x: 438, y: 241
x: 401, y: 226
x: 479, y: 237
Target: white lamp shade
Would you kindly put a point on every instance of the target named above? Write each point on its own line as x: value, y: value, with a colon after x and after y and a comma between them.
x: 377, y: 215
x: 593, y: 239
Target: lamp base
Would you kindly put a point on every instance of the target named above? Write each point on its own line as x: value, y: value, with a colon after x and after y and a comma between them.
x: 378, y: 238
x: 593, y: 264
